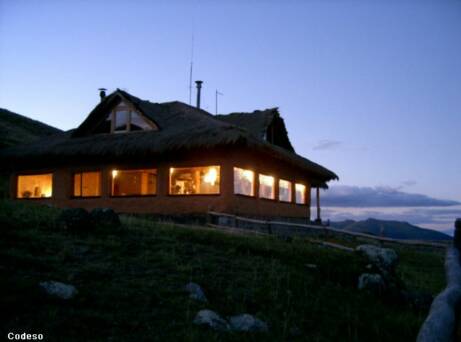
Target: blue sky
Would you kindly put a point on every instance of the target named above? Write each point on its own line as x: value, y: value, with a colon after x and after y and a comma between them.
x: 370, y: 89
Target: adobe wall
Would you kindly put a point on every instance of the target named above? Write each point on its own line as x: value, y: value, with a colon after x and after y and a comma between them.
x: 165, y: 204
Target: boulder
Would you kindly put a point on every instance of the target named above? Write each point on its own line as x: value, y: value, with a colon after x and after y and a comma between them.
x: 211, y: 319
x: 75, y: 219
x: 248, y: 323
x: 105, y: 218
x: 419, y: 300
x: 385, y: 259
x: 196, y: 292
x: 59, y: 290
x: 372, y: 282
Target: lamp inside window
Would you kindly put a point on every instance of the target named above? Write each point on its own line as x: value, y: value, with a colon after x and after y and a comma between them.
x: 203, y: 180
x: 35, y: 186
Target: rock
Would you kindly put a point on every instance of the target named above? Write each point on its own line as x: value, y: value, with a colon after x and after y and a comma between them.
x: 211, y: 319
x: 419, y: 300
x: 385, y: 259
x: 295, y: 331
x: 60, y: 290
x: 196, y: 292
x: 372, y: 281
x: 105, y: 217
x: 75, y: 219
x: 247, y: 322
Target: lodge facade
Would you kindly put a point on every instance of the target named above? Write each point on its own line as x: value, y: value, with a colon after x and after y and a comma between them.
x: 168, y: 159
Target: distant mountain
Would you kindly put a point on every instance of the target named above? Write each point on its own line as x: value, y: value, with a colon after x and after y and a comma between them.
x: 391, y: 229
x: 18, y: 129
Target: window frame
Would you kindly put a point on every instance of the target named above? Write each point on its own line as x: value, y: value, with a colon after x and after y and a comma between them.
x: 42, y: 173
x: 253, y: 185
x: 290, y: 200
x: 305, y: 194
x: 124, y: 106
x: 192, y: 167
x: 273, y: 198
x: 111, y: 179
x: 81, y: 184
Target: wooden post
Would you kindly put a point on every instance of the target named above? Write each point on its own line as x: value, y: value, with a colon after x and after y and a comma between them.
x: 319, y: 220
x: 457, y: 239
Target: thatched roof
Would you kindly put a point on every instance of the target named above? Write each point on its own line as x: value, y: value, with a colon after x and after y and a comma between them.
x: 181, y: 127
x: 264, y: 124
x: 17, y: 129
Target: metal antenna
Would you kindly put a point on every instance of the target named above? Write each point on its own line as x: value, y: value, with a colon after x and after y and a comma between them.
x: 191, y: 68
x: 216, y: 100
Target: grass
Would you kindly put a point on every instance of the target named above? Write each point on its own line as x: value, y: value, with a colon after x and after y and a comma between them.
x: 131, y: 283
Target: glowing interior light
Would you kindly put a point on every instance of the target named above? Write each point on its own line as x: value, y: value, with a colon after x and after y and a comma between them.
x: 300, y: 187
x: 248, y: 174
x: 114, y: 173
x: 211, y: 176
x: 47, y: 192
x: 266, y: 180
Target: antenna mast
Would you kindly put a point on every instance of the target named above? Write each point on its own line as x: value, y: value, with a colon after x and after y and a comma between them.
x: 216, y: 100
x: 191, y: 68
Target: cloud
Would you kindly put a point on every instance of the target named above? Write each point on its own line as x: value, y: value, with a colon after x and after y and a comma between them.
x: 355, y: 196
x: 408, y: 183
x: 327, y: 144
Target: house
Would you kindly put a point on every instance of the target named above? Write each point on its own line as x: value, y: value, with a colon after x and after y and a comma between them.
x: 169, y: 159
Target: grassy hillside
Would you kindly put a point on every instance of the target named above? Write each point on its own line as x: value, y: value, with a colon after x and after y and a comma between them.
x: 131, y: 283
x: 17, y: 129
x: 391, y: 229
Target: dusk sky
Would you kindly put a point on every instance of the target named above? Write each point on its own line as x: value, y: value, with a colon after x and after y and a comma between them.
x: 370, y: 89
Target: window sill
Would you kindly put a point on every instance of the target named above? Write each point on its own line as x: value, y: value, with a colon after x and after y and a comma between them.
x: 245, y: 196
x: 192, y: 195
x: 84, y: 197
x: 132, y: 196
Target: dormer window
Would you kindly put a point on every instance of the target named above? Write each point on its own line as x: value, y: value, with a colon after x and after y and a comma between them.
x: 124, y: 118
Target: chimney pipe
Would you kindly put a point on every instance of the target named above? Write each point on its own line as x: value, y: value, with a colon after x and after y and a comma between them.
x: 199, y: 88
x: 102, y: 93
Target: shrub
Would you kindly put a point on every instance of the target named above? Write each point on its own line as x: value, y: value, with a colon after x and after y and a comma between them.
x: 105, y: 218
x: 75, y: 219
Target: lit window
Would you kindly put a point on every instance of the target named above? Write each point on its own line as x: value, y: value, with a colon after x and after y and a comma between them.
x: 87, y: 184
x: 266, y: 187
x: 35, y: 186
x: 134, y: 182
x: 284, y: 191
x: 243, y: 182
x: 300, y: 193
x: 194, y: 180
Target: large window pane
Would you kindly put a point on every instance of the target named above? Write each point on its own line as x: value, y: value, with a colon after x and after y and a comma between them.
x: 243, y: 182
x: 300, y: 193
x: 134, y: 182
x: 284, y: 191
x: 35, y: 186
x: 121, y: 120
x: 266, y: 187
x: 138, y: 123
x: 87, y: 184
x: 194, y: 180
